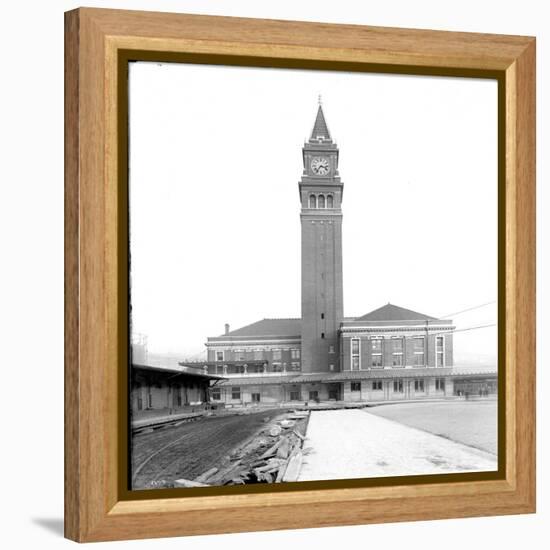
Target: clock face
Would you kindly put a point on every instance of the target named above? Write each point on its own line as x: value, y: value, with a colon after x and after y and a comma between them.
x: 320, y: 166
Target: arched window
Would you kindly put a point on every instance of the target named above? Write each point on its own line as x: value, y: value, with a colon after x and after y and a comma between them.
x: 330, y: 201
x: 321, y: 201
x: 312, y: 201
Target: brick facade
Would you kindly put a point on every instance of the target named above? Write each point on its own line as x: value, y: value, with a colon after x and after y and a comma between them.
x: 391, y: 353
x: 321, y: 222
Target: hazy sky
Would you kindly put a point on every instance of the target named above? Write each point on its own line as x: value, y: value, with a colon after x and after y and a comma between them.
x: 215, y: 160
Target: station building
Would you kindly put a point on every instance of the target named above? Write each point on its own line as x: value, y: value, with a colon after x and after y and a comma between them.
x: 157, y: 390
x: 390, y: 353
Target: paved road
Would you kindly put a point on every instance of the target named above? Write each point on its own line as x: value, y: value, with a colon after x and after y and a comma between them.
x: 357, y: 444
x: 473, y: 423
x: 188, y: 450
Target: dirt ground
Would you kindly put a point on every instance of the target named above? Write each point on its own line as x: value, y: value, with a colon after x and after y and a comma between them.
x: 473, y: 423
x: 188, y: 450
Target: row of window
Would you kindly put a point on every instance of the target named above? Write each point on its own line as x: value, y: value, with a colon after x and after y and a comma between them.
x: 397, y: 360
x: 295, y: 395
x: 294, y: 366
x: 320, y: 201
x: 243, y: 355
x: 257, y: 369
x: 419, y: 385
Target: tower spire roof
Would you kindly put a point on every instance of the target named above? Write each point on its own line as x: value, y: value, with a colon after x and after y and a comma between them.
x: 320, y: 128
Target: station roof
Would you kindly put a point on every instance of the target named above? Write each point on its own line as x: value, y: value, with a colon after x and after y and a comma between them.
x: 390, y: 312
x: 178, y: 370
x: 290, y: 326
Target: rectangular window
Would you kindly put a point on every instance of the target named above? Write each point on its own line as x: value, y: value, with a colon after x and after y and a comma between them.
x: 376, y: 345
x: 295, y: 354
x: 255, y: 397
x: 313, y: 395
x: 331, y: 349
x: 377, y: 385
x: 419, y: 385
x: 376, y: 361
x: 277, y: 367
x: 322, y: 335
x: 440, y: 351
x: 219, y: 369
x: 398, y: 386
x: 376, y: 352
x: 397, y: 345
x: 418, y: 344
x: 418, y: 349
x: 219, y: 356
x: 276, y: 354
x: 356, y: 386
x: 258, y: 354
x: 440, y: 384
x: 322, y: 315
x: 397, y: 352
x: 331, y: 367
x: 295, y: 395
x: 235, y: 393
x: 355, y: 351
x: 397, y: 360
x: 215, y: 394
x: 295, y: 366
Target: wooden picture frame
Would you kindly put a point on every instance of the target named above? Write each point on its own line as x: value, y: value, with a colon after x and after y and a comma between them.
x: 98, y: 45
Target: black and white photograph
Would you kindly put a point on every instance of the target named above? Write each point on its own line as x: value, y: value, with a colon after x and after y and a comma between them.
x: 275, y: 274
x: 313, y: 275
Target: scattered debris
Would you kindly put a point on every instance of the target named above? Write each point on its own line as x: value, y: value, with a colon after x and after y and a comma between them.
x: 284, y: 448
x: 273, y: 456
x: 293, y: 467
x: 298, y: 415
x: 287, y: 423
x: 275, y: 431
x: 188, y: 483
x: 203, y: 477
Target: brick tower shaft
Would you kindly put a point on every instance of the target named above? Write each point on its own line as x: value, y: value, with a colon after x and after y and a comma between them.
x: 321, y: 219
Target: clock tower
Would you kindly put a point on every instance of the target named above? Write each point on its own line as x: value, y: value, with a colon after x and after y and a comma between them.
x: 321, y: 219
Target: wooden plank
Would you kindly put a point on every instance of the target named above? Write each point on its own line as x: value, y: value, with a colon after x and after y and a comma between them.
x: 417, y: 47
x: 525, y: 275
x: 72, y: 406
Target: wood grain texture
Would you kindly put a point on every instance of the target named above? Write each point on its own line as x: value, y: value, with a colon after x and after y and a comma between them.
x: 72, y: 425
x: 94, y: 38
x: 380, y: 44
x: 525, y: 268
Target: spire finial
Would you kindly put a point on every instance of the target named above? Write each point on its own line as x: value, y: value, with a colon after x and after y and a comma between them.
x: 320, y: 130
